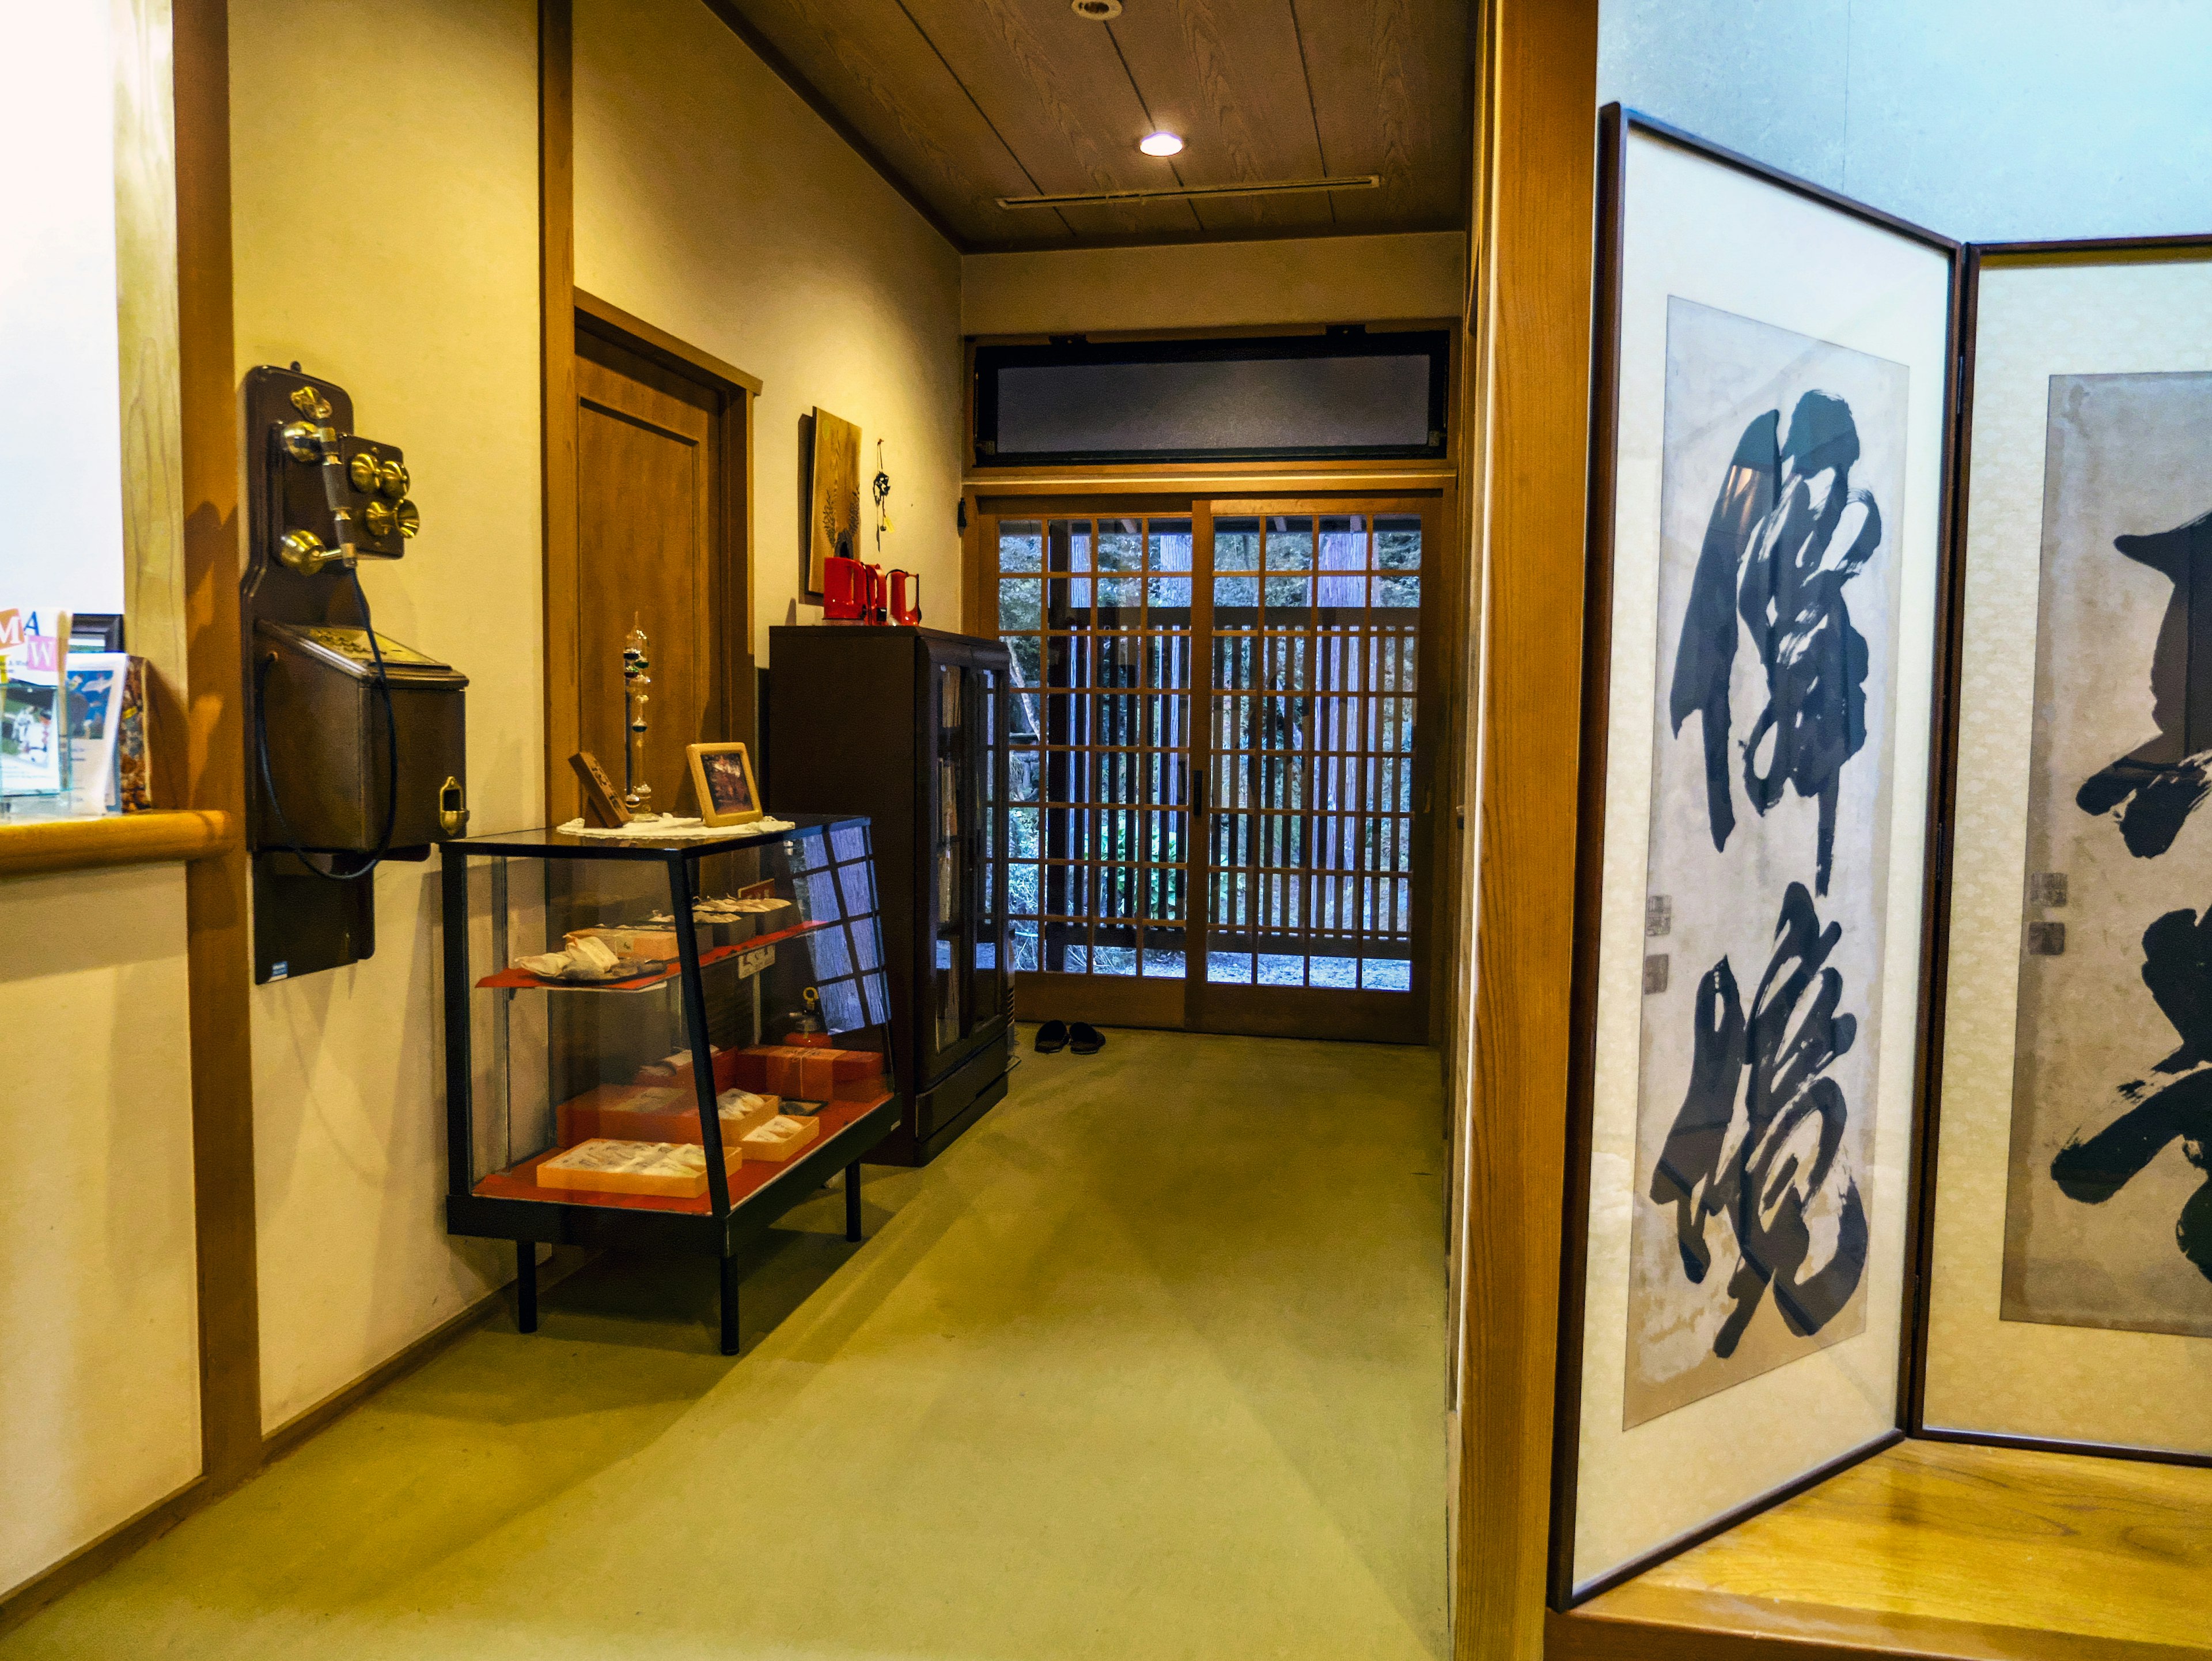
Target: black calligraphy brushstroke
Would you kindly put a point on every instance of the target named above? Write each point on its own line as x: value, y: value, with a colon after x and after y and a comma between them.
x: 1776, y: 1058
x: 2177, y: 970
x: 2154, y: 788
x: 1792, y: 606
x: 1707, y: 653
x: 1769, y: 561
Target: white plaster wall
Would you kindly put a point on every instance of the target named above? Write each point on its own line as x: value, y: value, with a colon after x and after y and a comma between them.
x: 61, y: 444
x: 404, y: 267
x: 98, y: 1310
x: 1330, y: 279
x: 1989, y: 120
x: 712, y: 203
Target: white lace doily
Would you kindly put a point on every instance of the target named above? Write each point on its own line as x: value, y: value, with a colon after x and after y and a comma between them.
x: 668, y: 826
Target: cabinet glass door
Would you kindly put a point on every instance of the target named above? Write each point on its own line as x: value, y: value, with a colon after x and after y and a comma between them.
x: 951, y: 899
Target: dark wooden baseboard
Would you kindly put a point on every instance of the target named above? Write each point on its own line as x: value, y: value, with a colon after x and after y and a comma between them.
x: 90, y: 1560
x: 22, y: 1602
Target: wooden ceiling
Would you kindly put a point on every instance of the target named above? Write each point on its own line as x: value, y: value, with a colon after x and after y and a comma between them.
x: 960, y: 102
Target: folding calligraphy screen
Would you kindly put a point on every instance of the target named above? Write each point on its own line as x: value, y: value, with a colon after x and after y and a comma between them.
x: 2071, y: 1283
x: 1767, y: 562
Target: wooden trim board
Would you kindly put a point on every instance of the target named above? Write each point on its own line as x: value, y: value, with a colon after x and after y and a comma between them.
x: 557, y: 337
x: 116, y: 839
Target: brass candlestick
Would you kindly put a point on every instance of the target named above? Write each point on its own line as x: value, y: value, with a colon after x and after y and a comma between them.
x: 637, y: 794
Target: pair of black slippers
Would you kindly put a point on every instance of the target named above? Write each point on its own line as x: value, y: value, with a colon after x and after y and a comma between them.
x: 1082, y: 1038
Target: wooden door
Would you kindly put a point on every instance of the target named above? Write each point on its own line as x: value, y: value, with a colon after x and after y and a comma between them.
x: 1220, y: 789
x: 649, y: 459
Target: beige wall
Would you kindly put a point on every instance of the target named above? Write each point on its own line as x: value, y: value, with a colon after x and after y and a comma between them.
x: 712, y: 203
x: 1336, y: 279
x: 418, y: 295
x: 99, y: 1317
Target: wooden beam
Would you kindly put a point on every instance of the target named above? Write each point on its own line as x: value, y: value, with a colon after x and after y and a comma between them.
x: 557, y: 330
x: 219, y: 953
x: 1536, y: 104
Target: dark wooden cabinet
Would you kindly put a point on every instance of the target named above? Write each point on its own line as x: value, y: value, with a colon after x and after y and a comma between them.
x: 908, y: 726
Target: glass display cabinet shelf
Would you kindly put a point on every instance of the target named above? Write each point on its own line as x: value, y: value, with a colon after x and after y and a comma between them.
x: 661, y: 1044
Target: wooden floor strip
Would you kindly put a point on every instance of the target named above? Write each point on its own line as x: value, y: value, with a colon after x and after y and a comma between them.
x: 1935, y: 1549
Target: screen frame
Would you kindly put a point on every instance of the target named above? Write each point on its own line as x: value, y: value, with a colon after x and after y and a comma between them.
x: 1076, y: 351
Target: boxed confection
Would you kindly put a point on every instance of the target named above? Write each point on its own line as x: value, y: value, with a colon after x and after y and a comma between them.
x: 628, y: 1113
x: 672, y: 1169
x: 675, y: 1069
x: 806, y: 1071
x: 780, y: 1138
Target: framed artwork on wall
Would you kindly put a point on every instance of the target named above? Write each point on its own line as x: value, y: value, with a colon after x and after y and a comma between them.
x: 1768, y: 566
x: 833, y: 495
x: 2070, y: 1253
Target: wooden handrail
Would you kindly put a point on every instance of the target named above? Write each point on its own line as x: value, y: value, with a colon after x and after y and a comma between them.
x: 119, y: 839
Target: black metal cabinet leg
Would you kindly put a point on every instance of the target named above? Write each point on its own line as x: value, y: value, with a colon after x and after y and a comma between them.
x: 729, y: 1307
x: 525, y: 1286
x: 853, y: 1201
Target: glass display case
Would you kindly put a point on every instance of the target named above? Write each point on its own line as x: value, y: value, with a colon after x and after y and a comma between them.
x: 661, y: 1044
x: 908, y: 726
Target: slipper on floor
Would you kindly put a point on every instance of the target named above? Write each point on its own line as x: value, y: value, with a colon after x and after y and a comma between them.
x: 1085, y: 1039
x: 1052, y: 1037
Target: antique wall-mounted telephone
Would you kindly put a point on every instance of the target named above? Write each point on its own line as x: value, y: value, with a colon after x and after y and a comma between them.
x: 356, y: 744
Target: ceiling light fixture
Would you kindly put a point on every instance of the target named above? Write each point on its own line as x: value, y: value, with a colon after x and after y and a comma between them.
x: 1364, y: 181
x: 1160, y: 143
x: 1098, y: 11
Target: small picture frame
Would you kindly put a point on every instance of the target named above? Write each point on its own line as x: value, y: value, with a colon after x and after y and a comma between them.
x: 722, y: 779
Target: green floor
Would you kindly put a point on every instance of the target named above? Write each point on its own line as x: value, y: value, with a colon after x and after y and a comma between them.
x: 1151, y: 1363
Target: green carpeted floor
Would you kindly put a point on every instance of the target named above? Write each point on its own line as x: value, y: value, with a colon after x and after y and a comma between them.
x: 1151, y: 1363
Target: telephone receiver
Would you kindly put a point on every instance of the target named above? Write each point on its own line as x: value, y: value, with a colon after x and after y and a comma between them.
x: 356, y: 744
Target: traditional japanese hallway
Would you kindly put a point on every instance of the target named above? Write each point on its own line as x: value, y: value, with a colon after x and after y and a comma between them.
x: 1150, y: 1363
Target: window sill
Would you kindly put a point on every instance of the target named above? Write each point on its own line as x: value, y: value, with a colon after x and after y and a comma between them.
x: 125, y: 839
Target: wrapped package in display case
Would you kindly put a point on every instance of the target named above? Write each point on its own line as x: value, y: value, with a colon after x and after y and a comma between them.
x: 661, y: 1044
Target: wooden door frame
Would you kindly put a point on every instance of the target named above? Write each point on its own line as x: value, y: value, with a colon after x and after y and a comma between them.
x: 1429, y: 489
x: 730, y: 537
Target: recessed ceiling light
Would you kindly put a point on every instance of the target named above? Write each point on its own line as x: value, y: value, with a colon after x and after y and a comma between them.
x: 1098, y: 11
x: 1160, y: 143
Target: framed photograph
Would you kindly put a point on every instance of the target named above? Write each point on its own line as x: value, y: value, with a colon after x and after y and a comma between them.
x: 2070, y: 1298
x: 722, y: 779
x: 1768, y: 563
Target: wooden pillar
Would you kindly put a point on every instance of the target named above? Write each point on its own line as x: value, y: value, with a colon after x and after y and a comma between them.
x: 1535, y: 139
x: 219, y: 953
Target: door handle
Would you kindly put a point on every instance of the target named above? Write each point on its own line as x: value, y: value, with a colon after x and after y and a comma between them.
x: 1198, y: 791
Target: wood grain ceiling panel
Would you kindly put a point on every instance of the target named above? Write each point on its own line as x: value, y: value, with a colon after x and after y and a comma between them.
x: 1055, y: 88
x: 960, y: 102
x: 869, y: 62
x: 1390, y: 97
x: 1229, y: 76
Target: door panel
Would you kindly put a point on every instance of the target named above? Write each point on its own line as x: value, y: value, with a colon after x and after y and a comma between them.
x: 1257, y: 662
x: 644, y: 462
